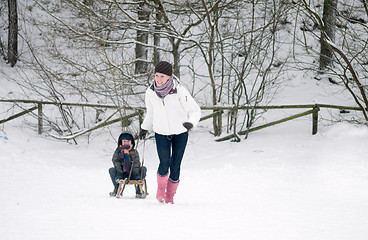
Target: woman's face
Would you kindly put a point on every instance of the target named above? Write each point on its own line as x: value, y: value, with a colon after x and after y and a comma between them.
x: 161, y: 79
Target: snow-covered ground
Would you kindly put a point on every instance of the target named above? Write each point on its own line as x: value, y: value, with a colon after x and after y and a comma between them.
x: 281, y: 183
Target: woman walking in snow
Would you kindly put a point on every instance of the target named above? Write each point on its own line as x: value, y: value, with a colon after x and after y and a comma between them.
x: 171, y: 113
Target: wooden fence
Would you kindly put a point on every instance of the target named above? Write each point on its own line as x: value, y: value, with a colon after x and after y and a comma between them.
x: 217, y: 110
x: 314, y: 109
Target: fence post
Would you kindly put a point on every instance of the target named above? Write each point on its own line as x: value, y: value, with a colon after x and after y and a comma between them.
x: 219, y: 122
x: 40, y: 124
x: 315, y: 119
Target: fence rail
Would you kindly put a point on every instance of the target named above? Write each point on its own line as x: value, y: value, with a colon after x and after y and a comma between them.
x: 217, y: 110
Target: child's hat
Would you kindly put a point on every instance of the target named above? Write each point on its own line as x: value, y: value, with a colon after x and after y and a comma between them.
x: 126, y: 136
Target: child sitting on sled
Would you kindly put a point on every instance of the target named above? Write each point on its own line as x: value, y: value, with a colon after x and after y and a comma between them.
x: 125, y: 157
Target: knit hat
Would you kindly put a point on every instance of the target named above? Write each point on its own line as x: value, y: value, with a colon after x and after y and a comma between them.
x: 126, y: 136
x: 164, y: 67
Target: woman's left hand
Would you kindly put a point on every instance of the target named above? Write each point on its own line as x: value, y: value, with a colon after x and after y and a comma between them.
x: 188, y: 125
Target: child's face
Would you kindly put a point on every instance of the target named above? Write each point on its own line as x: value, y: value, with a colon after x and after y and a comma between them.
x: 126, y: 142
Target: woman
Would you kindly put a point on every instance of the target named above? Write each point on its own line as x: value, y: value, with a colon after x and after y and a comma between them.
x: 171, y: 113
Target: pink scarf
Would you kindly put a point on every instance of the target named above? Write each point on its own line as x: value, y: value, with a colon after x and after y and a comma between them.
x: 163, y: 90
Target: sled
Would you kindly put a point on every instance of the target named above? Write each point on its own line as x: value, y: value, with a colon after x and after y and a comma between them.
x: 141, y: 185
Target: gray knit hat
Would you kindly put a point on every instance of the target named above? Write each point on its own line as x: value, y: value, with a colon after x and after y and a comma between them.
x: 164, y: 67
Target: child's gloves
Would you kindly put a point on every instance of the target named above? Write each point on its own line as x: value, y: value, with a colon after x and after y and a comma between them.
x: 188, y: 125
x: 124, y: 155
x: 126, y: 167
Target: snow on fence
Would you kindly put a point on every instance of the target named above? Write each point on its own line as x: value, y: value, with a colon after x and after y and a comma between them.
x: 217, y: 110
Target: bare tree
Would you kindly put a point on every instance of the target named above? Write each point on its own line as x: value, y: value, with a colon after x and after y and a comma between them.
x: 90, y: 50
x: 209, y: 58
x: 329, y: 25
x: 257, y: 65
x: 3, y: 8
x: 156, y: 34
x: 142, y: 39
x: 13, y: 32
x: 348, y: 64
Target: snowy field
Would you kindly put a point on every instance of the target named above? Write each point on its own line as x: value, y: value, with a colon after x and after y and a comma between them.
x: 282, y: 183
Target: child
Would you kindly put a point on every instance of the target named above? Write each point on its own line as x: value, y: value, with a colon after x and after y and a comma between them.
x: 124, y: 158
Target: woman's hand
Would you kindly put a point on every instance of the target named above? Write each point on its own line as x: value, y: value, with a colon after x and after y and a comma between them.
x: 188, y: 125
x: 142, y: 134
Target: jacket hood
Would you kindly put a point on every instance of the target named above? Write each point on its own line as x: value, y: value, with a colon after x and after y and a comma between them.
x: 126, y: 134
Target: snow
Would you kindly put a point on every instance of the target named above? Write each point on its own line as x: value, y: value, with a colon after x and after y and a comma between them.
x: 280, y: 183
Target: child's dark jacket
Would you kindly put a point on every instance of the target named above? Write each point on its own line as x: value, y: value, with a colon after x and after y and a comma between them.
x: 133, y: 156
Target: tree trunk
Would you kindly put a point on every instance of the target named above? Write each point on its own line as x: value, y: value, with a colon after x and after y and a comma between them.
x: 157, y: 36
x: 2, y: 49
x: 176, y: 55
x: 210, y: 64
x: 329, y: 20
x: 88, y: 2
x: 142, y: 41
x: 13, y: 33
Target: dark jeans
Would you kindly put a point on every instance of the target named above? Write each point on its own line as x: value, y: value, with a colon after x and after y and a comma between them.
x: 170, y: 149
x: 114, y: 175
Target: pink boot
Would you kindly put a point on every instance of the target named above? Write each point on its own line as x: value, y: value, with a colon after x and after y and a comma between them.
x: 170, y: 191
x: 161, y: 186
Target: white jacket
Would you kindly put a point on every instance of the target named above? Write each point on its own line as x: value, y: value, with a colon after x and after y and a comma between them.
x: 166, y: 116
